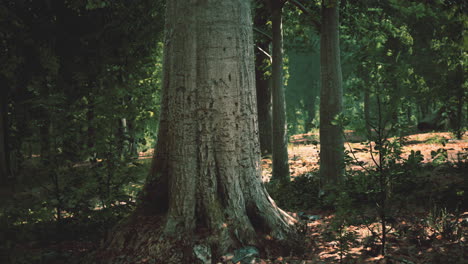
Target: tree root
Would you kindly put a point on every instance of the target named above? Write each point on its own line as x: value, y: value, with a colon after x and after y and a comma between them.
x: 141, y: 239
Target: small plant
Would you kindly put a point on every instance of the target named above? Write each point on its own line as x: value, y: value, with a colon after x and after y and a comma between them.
x: 444, y: 224
x: 437, y: 139
x: 414, y: 159
x: 339, y: 233
x: 439, y: 156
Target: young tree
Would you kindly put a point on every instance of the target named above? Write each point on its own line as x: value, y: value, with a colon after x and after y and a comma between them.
x: 280, y: 135
x: 205, y: 178
x: 331, y: 95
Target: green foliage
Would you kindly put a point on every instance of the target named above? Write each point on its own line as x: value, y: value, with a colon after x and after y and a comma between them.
x: 439, y: 156
x: 63, y: 203
x: 82, y: 85
x: 302, y: 46
x: 339, y: 232
x: 437, y: 140
x: 445, y: 224
x: 414, y: 160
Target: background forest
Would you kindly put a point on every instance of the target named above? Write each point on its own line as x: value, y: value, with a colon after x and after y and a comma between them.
x: 80, y: 106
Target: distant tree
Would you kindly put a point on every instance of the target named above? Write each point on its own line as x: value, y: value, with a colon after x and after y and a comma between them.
x: 205, y: 178
x: 331, y: 95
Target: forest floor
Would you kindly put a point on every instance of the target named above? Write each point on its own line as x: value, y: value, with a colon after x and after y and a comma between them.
x: 422, y: 232
x: 304, y: 150
x: 428, y: 224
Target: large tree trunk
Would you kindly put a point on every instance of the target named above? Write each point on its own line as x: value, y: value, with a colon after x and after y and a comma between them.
x: 331, y: 93
x: 280, y: 138
x: 205, y: 180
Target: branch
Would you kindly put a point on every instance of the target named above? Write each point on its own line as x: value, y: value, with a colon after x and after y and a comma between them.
x: 306, y: 11
x: 355, y: 158
x: 263, y: 33
x: 378, y: 164
x: 266, y: 54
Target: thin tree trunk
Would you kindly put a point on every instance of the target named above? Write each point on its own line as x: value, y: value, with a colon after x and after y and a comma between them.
x: 331, y: 101
x: 457, y: 122
x: 310, y: 111
x: 264, y: 112
x: 133, y: 147
x: 91, y: 133
x: 280, y: 136
x: 44, y: 132
x: 4, y: 153
x: 205, y: 179
x: 263, y: 82
x: 367, y: 118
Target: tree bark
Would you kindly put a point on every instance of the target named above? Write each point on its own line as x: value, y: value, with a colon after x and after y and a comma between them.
x: 280, y: 136
x: 205, y: 182
x: 331, y: 93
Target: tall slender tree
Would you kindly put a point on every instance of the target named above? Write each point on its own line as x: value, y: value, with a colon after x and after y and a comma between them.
x: 205, y: 179
x: 280, y: 136
x: 331, y: 95
x: 262, y: 80
x: 4, y: 162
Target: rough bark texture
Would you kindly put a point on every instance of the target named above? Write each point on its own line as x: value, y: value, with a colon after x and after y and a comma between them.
x: 263, y: 85
x: 280, y: 141
x: 331, y: 96
x: 205, y: 182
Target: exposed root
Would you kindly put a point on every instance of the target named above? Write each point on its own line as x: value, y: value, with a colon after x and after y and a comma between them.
x: 141, y: 239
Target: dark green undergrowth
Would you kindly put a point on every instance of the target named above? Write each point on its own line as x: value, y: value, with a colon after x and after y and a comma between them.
x: 58, y: 213
x: 421, y: 208
x: 423, y: 186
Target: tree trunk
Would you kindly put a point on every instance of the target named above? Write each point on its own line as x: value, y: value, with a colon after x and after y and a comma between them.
x: 280, y: 137
x: 205, y: 179
x: 456, y: 122
x: 367, y: 115
x: 44, y: 132
x: 310, y: 111
x: 90, y: 133
x: 133, y: 145
x: 263, y: 88
x: 331, y: 93
x: 4, y: 153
